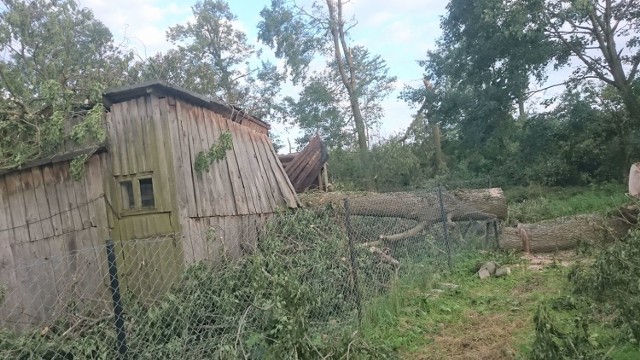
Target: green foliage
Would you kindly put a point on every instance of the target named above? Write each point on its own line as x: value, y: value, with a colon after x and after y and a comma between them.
x: 341, y: 101
x: 613, y: 279
x: 552, y: 342
x: 321, y: 109
x: 211, y: 56
x: 91, y: 127
x: 587, y: 138
x: 217, y: 152
x: 76, y: 167
x: 397, y: 166
x: 46, y: 81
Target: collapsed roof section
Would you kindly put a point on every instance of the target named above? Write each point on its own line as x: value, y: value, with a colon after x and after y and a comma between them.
x: 306, y: 168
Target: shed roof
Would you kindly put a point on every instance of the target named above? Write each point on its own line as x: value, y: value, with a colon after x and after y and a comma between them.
x: 117, y: 95
x: 56, y: 158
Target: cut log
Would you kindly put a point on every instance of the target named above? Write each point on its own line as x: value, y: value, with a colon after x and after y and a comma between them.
x: 634, y: 180
x: 490, y: 201
x: 418, y: 206
x: 503, y: 271
x: 563, y: 233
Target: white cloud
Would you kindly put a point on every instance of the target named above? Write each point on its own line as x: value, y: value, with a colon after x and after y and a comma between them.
x: 140, y: 23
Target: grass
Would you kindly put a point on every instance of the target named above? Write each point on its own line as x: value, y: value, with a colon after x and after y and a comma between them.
x: 423, y: 319
x: 536, y: 203
x: 426, y: 317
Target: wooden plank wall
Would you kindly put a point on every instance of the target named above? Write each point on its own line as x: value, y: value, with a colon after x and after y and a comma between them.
x: 139, y: 143
x: 253, y: 125
x: 211, y: 237
x: 249, y: 184
x: 52, y: 235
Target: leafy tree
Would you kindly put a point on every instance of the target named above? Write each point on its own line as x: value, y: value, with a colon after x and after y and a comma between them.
x: 299, y: 34
x: 591, y: 32
x: 491, y: 43
x: 214, y: 58
x: 321, y: 106
x: 483, y: 65
x: 56, y: 60
x: 588, y: 138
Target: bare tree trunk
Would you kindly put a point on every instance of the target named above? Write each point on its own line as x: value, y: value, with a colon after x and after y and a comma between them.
x: 491, y: 201
x: 521, y: 110
x: 342, y: 53
x: 437, y: 145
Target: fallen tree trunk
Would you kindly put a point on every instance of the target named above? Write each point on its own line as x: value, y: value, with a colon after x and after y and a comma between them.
x: 563, y: 233
x: 491, y: 201
x: 423, y: 207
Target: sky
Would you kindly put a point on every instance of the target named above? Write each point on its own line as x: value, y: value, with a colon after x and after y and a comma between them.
x: 400, y: 31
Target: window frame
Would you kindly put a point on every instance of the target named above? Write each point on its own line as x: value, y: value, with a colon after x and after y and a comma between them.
x: 137, y: 194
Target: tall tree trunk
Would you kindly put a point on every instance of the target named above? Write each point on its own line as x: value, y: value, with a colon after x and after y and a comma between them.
x: 359, y: 121
x: 521, y: 110
x: 437, y: 145
x: 342, y: 54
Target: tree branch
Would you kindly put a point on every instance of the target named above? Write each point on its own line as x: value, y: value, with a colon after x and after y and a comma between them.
x: 579, y: 54
x: 406, y: 234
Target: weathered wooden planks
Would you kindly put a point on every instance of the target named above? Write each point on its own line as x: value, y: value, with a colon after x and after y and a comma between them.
x: 49, y: 238
x: 249, y: 180
x: 233, y: 235
x: 305, y: 168
x: 8, y: 281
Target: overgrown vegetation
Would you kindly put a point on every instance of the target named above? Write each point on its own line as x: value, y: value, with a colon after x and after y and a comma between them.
x: 535, y: 203
x: 439, y: 315
x: 293, y: 298
x: 598, y: 316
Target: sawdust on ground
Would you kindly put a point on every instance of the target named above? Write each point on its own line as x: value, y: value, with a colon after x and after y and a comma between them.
x: 482, y: 336
x: 540, y: 261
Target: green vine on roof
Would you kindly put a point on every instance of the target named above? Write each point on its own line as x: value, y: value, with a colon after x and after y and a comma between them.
x: 217, y: 152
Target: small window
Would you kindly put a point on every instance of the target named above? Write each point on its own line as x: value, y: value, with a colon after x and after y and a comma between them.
x: 128, y: 200
x: 146, y: 193
x: 136, y: 193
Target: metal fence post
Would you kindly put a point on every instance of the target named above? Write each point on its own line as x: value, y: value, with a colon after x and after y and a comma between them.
x: 114, y: 284
x: 353, y: 258
x: 445, y: 225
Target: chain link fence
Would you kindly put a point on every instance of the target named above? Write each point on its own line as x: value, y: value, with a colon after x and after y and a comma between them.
x: 294, y: 291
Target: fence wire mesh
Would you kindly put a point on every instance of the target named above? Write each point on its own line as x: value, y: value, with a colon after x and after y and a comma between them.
x: 283, y: 289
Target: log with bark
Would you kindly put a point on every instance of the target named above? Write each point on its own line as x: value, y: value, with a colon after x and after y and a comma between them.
x: 423, y: 207
x: 491, y: 201
x: 460, y: 205
x: 563, y: 233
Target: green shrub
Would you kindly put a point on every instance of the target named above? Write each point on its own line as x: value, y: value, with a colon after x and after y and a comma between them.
x: 554, y: 342
x: 614, y: 278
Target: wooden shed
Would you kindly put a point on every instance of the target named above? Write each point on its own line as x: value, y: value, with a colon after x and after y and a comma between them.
x: 143, y: 184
